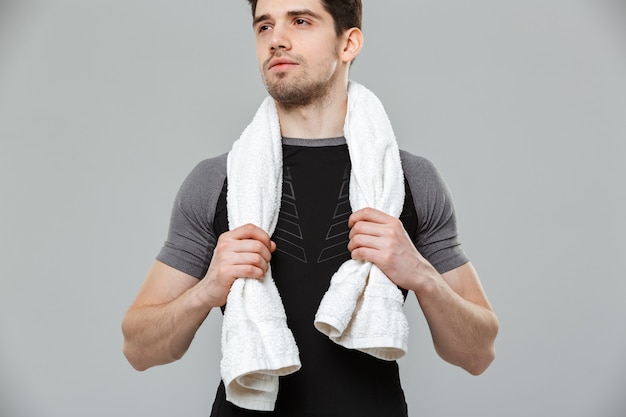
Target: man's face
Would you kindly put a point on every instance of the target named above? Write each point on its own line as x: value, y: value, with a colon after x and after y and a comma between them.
x: 297, y: 50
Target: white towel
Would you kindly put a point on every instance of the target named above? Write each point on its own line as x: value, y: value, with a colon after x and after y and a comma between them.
x: 372, y: 320
x: 257, y: 345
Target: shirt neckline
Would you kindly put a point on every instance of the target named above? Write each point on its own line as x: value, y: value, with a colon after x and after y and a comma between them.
x: 314, y: 143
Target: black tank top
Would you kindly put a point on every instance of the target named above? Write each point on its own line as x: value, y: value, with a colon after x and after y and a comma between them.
x: 311, y: 238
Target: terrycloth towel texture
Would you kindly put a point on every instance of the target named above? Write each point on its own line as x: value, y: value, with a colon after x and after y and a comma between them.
x: 257, y: 345
x: 362, y: 308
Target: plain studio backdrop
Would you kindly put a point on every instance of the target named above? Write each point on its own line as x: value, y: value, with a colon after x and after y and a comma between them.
x: 106, y: 105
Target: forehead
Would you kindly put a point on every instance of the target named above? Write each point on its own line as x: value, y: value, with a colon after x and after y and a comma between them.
x: 278, y: 7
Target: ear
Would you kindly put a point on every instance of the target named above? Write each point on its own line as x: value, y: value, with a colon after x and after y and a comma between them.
x: 352, y: 44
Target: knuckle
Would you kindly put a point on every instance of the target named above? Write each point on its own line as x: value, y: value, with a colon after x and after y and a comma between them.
x: 249, y: 226
x: 258, y: 247
x: 250, y: 271
x: 386, y: 258
x: 259, y: 261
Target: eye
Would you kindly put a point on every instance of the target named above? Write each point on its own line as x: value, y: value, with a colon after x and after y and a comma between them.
x: 263, y: 28
x: 300, y: 22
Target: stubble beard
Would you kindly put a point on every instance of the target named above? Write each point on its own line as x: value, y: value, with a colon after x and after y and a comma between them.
x: 296, y: 92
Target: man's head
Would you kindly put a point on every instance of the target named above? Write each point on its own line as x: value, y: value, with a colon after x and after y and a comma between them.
x: 347, y: 14
x: 305, y: 47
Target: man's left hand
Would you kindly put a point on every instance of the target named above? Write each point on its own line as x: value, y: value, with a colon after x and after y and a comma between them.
x: 381, y: 239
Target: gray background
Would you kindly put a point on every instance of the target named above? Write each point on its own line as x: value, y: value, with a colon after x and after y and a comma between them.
x: 106, y: 105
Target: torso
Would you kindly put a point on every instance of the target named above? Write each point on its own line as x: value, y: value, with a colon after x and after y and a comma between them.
x: 311, y: 238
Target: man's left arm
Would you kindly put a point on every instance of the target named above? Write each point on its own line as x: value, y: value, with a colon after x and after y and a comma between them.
x: 461, y: 320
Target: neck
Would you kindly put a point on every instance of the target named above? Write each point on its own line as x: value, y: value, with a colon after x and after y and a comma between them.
x: 322, y: 119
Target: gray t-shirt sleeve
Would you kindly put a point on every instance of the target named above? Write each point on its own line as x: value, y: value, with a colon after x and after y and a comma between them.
x: 437, y: 234
x: 191, y: 237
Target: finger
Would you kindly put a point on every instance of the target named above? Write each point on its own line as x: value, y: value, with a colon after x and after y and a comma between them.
x: 250, y: 231
x: 249, y: 246
x: 364, y: 241
x: 364, y: 254
x: 248, y: 271
x: 247, y: 258
x: 368, y: 214
x: 367, y: 228
x: 247, y: 265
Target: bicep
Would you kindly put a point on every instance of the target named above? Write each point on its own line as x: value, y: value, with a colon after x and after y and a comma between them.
x: 162, y: 285
x: 464, y: 281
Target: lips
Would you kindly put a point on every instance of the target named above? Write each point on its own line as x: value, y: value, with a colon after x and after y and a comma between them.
x: 278, y: 64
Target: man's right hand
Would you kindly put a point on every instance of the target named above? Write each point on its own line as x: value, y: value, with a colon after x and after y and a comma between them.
x: 171, y: 305
x: 244, y: 252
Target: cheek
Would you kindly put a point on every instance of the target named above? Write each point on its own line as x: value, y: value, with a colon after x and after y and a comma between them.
x: 332, y: 68
x: 329, y: 65
x: 330, y: 59
x: 261, y: 53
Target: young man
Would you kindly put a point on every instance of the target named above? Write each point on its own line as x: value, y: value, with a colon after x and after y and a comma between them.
x: 305, y: 49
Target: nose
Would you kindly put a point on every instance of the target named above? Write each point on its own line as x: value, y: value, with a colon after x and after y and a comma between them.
x: 279, y: 39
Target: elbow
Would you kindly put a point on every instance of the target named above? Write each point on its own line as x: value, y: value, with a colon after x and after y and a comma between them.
x: 133, y: 358
x: 486, y: 355
x: 475, y: 363
x: 139, y: 355
x: 481, y: 363
x: 131, y: 352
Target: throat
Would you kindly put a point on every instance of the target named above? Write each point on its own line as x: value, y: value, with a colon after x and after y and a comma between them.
x: 315, y: 121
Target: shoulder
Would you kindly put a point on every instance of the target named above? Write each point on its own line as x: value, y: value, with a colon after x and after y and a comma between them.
x: 201, y: 188
x: 206, y: 175
x: 421, y: 173
x: 209, y: 168
x: 414, y: 162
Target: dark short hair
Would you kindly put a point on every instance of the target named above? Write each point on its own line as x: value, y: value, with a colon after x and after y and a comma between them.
x: 347, y: 14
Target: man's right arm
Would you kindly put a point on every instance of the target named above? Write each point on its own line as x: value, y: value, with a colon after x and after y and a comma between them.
x: 171, y: 305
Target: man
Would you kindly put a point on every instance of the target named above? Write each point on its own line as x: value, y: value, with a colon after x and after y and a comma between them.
x: 305, y: 49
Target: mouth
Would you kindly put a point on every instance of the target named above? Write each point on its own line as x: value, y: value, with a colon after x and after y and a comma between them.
x: 281, y: 64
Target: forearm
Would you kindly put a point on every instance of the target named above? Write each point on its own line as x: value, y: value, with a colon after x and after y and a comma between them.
x: 159, y: 334
x: 171, y: 305
x: 463, y: 332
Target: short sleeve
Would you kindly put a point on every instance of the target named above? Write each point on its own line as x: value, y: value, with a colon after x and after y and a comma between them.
x: 437, y: 234
x: 191, y: 235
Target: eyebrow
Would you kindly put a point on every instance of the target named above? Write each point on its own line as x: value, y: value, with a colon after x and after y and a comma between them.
x: 291, y: 13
